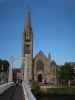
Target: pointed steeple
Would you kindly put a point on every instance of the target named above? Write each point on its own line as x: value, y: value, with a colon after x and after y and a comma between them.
x: 49, y: 56
x: 28, y: 27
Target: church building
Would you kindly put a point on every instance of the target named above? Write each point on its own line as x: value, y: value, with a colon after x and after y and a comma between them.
x: 41, y: 68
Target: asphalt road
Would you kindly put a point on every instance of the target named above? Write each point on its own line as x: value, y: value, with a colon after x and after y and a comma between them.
x: 13, y: 93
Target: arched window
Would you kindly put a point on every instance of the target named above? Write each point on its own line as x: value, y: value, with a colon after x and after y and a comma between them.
x: 40, y: 65
x: 28, y: 36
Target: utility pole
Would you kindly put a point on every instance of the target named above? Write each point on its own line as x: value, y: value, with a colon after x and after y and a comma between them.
x: 10, y: 77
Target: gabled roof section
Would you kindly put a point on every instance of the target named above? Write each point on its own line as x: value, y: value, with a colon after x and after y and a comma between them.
x: 41, y: 53
x: 28, y: 27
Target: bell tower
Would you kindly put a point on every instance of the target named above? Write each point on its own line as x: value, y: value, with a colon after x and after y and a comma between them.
x: 28, y: 47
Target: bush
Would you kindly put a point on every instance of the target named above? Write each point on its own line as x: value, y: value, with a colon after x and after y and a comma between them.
x: 35, y: 88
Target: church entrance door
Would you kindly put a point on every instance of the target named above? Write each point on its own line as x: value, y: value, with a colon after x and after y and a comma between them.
x: 40, y: 78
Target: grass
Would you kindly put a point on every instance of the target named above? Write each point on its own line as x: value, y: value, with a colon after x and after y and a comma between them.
x: 61, y: 91
x: 47, y: 92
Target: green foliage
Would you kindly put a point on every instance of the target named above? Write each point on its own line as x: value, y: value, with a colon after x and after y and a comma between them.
x: 54, y: 91
x: 66, y: 72
x: 0, y: 64
x: 35, y: 88
x: 4, y: 65
x: 61, y: 91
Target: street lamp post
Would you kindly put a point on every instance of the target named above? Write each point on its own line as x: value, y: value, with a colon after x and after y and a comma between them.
x: 10, y: 77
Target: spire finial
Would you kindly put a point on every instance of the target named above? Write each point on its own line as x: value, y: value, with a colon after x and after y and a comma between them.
x: 28, y: 20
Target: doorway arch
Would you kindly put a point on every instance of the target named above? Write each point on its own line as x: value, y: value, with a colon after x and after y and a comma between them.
x: 39, y: 77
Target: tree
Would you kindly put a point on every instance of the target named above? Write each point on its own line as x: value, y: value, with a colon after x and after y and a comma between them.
x: 4, y: 66
x: 66, y: 73
x: 0, y: 65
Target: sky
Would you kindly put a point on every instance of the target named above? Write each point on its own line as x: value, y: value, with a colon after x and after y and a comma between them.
x: 53, y: 25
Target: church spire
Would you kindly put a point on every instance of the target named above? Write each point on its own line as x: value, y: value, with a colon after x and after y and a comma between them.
x: 28, y: 47
x: 49, y: 56
x: 28, y: 27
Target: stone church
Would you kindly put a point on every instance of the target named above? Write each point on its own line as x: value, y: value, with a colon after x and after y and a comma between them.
x: 41, y: 68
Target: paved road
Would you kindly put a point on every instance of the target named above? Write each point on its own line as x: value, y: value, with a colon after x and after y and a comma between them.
x: 13, y: 93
